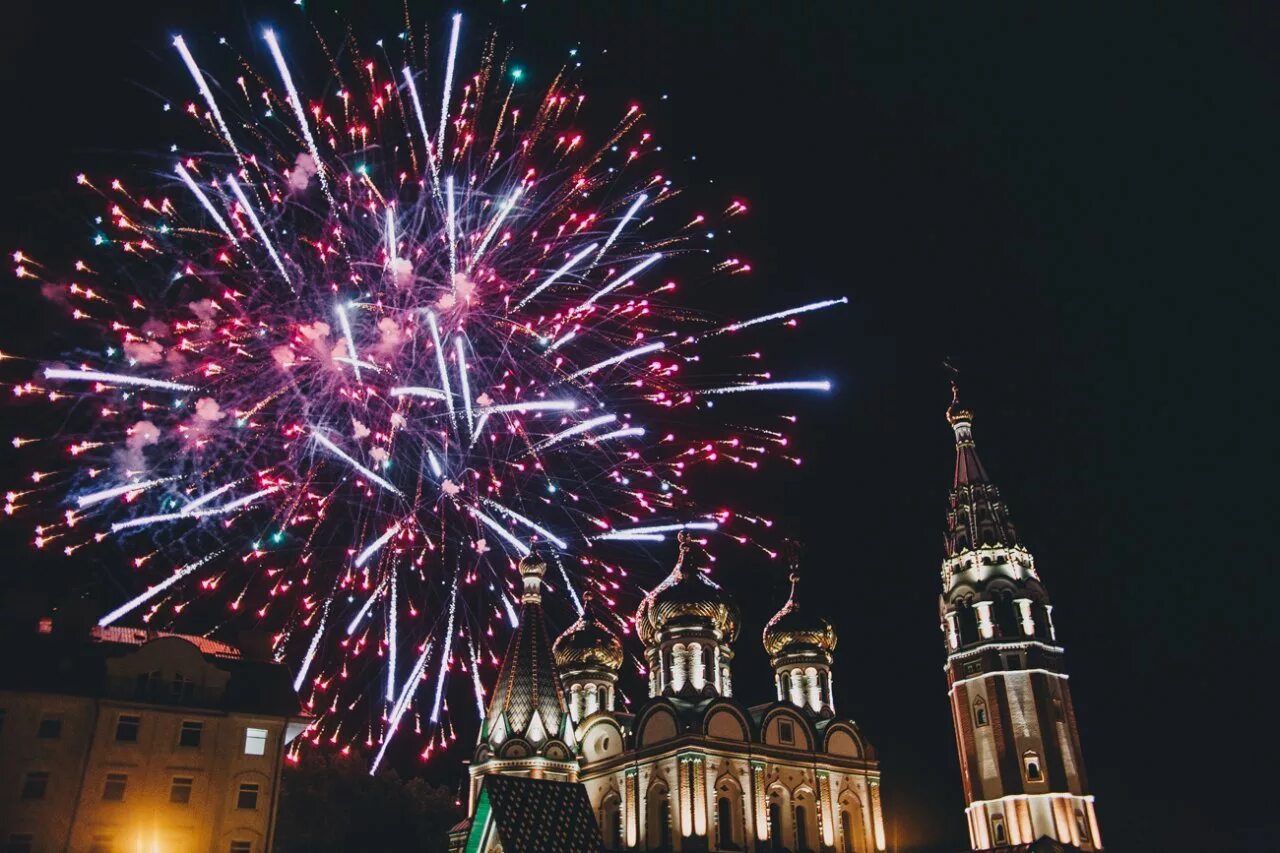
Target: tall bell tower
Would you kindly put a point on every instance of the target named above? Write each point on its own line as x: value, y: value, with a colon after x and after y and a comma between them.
x: 1010, y: 693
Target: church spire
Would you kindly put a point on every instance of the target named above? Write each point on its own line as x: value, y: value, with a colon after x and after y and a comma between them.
x: 978, y: 518
x: 527, y: 729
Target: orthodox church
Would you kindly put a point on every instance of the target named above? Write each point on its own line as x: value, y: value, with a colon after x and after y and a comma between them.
x: 693, y: 768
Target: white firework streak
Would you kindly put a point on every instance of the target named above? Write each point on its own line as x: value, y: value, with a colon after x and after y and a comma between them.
x: 187, y: 512
x: 391, y: 235
x: 298, y: 111
x: 374, y: 546
x: 577, y: 603
x: 780, y: 315
x: 512, y: 616
x: 531, y: 406
x: 364, y: 609
x: 622, y: 279
x: 205, y: 203
x: 479, y: 430
x: 402, y: 703
x: 151, y: 593
x: 205, y: 92
x: 562, y: 341
x: 418, y: 391
x: 206, y: 498
x: 301, y: 677
x: 451, y: 229
x: 555, y: 276
x: 506, y: 535
x: 444, y: 654
x: 351, y: 342
x: 392, y: 621
x: 631, y: 211
x: 617, y: 359
x: 503, y: 210
x: 802, y: 385
x: 422, y: 124
x: 475, y: 680
x: 463, y: 379
x: 637, y: 532
x: 441, y: 365
x: 117, y: 378
x: 341, y: 454
x: 574, y: 430
x: 434, y: 462
x: 115, y: 491
x: 257, y: 226
x: 448, y: 80
x: 618, y: 433
x: 527, y: 522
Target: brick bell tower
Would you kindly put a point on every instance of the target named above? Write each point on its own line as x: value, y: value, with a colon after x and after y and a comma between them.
x: 1010, y: 695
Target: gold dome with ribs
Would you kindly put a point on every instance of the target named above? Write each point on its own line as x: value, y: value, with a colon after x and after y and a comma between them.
x: 791, y: 630
x: 687, y: 598
x: 588, y: 642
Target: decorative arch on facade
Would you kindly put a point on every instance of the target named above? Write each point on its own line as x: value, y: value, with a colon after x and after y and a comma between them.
x: 730, y: 830
x: 659, y: 724
x: 601, y: 738
x: 659, y: 830
x: 851, y: 825
x: 773, y: 729
x: 843, y: 739
x: 781, y: 826
x: 727, y: 722
x: 610, y: 820
x: 804, y: 815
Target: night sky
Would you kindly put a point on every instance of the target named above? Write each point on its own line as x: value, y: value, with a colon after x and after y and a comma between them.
x: 1077, y: 208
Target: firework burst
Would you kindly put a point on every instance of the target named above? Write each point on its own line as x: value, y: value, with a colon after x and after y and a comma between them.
x: 363, y: 364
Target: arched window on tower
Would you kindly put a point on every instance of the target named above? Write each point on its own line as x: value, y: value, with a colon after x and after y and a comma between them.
x: 846, y: 832
x: 784, y: 691
x: 997, y: 829
x: 1031, y: 766
x: 611, y: 821
x: 979, y: 712
x: 664, y: 824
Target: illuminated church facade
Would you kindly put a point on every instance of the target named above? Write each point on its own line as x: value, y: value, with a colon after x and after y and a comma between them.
x: 1010, y: 694
x: 693, y: 768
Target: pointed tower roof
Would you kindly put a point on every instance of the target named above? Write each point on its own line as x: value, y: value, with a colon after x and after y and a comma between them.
x: 528, y: 701
x: 978, y: 518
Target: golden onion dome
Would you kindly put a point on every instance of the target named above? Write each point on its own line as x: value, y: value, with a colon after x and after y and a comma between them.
x: 687, y: 598
x: 791, y: 630
x: 588, y: 642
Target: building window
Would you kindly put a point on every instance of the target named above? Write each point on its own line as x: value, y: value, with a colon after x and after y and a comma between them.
x: 979, y: 713
x: 247, y: 798
x: 664, y: 822
x: 180, y: 790
x: 113, y: 790
x: 724, y: 822
x: 1012, y: 662
x: 997, y: 829
x: 50, y: 728
x: 846, y: 831
x: 802, y: 829
x: 255, y: 741
x: 241, y: 847
x: 1031, y: 764
x: 1057, y: 709
x: 20, y: 842
x: 190, y: 734
x: 1082, y: 825
x: 973, y: 667
x: 786, y: 731
x: 127, y: 728
x: 775, y: 826
x: 34, y: 785
x: 182, y: 688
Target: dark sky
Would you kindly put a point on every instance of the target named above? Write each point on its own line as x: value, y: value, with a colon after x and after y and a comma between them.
x: 1076, y: 206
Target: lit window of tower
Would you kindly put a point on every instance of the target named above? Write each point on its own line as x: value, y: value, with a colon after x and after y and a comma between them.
x: 1010, y: 696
